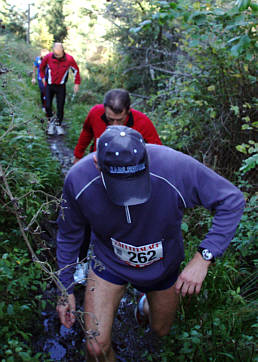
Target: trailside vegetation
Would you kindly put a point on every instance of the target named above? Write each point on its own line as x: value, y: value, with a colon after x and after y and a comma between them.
x: 190, y: 65
x: 30, y: 182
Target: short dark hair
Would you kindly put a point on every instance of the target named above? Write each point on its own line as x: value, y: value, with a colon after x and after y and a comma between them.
x: 117, y: 100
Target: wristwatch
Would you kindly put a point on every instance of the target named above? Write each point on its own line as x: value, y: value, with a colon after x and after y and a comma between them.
x: 206, y: 254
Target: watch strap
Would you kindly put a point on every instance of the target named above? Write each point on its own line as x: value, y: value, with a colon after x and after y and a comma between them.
x: 200, y: 250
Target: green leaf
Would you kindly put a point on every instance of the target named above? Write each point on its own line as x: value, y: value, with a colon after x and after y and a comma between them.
x: 219, y: 12
x: 184, y: 227
x: 198, y: 17
x: 145, y: 22
x: 23, y: 138
x: 25, y: 307
x: 235, y: 109
x: 172, y: 5
x: 2, y: 314
x: 249, y: 163
x: 10, y: 310
x: 211, y: 88
x: 246, y: 127
x: 243, y: 43
x: 26, y: 336
x: 227, y: 355
x: 246, y: 119
x: 193, y: 43
x: 241, y: 148
x: 25, y: 356
x: 242, y: 4
x: 196, y: 340
x: 43, y: 304
x: 163, y: 3
x: 254, y: 7
x: 233, y: 39
x: 135, y: 30
x: 213, y: 114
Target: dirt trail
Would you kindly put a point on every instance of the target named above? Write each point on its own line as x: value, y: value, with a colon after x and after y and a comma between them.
x: 130, y: 342
x: 60, y: 151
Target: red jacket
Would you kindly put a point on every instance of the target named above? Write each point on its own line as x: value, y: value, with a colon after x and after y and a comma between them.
x: 96, y: 123
x: 58, y: 69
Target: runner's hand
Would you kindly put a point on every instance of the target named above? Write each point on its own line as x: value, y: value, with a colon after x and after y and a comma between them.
x: 44, y: 82
x: 191, y: 278
x: 33, y: 81
x: 76, y: 88
x: 65, y: 310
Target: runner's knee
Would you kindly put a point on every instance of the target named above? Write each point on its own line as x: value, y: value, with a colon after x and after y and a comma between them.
x: 98, y: 348
x: 161, y: 329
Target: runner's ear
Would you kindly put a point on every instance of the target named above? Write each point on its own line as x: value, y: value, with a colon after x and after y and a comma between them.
x: 96, y: 162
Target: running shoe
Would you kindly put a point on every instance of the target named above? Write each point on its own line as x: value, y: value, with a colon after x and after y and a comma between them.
x: 51, y: 128
x: 59, y: 130
x: 139, y: 315
x: 80, y: 273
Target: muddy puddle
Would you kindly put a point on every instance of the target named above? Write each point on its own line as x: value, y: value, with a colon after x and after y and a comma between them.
x: 130, y: 342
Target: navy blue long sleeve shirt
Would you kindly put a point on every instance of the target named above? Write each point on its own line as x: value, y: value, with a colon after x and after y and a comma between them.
x: 143, y: 243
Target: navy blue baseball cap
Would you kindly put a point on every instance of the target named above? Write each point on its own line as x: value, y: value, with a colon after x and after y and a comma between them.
x: 123, y: 161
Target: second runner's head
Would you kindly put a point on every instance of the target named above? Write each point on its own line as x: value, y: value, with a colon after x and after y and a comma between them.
x: 117, y: 106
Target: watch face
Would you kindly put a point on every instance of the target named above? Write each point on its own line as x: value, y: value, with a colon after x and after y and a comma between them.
x: 206, y: 254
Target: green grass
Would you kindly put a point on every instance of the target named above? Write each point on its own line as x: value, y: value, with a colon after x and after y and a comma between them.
x: 31, y: 173
x: 75, y: 114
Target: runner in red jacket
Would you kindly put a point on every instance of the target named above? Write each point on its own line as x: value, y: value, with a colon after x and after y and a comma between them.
x: 58, y: 63
x: 115, y: 111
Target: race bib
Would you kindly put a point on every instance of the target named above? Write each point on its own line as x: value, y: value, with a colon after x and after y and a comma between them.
x: 138, y: 256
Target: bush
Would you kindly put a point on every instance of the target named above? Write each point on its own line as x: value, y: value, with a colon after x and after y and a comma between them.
x: 34, y: 180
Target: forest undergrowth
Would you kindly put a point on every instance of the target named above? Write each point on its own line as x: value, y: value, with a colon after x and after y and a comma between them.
x: 219, y: 324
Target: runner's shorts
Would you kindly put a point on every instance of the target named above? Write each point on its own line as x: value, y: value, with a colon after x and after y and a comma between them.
x: 166, y: 283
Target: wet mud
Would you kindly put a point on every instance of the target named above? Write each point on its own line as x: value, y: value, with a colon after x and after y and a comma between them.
x: 61, y: 152
x: 130, y: 341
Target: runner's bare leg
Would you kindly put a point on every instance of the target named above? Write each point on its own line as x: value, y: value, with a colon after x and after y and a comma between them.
x: 161, y: 306
x: 102, y: 299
